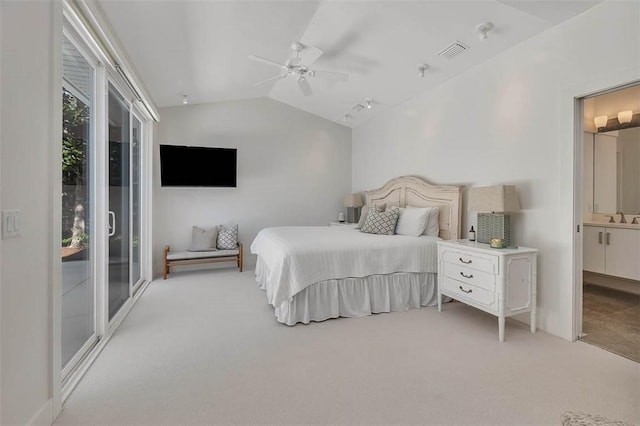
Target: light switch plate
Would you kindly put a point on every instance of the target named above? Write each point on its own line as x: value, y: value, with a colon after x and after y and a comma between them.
x: 11, y: 226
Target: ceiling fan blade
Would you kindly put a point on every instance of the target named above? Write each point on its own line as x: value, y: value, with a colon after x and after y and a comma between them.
x: 309, y: 55
x: 340, y: 76
x: 277, y: 77
x: 304, y: 86
x: 266, y: 61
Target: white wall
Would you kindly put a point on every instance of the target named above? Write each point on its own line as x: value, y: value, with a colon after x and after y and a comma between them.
x: 28, y: 57
x: 293, y: 169
x: 510, y: 120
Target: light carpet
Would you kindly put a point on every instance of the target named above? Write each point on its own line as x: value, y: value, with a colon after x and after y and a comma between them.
x: 204, y: 348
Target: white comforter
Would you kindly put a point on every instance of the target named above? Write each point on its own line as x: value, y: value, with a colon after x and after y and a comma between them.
x: 297, y: 257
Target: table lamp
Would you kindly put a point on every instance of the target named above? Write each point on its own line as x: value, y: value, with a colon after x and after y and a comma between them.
x: 493, y: 203
x: 353, y: 202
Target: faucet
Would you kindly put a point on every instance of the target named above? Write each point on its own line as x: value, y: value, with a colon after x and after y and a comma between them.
x: 635, y: 221
x: 610, y: 218
x: 622, y: 219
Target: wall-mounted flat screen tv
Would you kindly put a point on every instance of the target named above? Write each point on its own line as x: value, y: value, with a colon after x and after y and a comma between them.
x: 197, y: 166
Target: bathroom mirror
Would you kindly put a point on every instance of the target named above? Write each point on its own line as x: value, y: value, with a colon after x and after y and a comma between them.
x: 616, y: 171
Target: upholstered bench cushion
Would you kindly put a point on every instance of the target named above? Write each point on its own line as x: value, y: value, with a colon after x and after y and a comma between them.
x: 184, y: 255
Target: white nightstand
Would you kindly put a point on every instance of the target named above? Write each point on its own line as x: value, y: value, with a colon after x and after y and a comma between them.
x: 340, y: 223
x: 501, y: 282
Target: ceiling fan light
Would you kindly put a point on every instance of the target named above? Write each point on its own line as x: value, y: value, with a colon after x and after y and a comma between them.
x: 600, y: 121
x: 625, y: 116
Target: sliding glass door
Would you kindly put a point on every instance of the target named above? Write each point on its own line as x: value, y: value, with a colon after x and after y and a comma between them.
x: 102, y: 237
x: 78, y: 197
x: 119, y: 202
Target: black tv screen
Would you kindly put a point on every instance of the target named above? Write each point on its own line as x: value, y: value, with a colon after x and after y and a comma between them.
x: 197, y: 166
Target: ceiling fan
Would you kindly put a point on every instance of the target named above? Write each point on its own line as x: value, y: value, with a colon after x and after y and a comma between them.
x: 298, y: 67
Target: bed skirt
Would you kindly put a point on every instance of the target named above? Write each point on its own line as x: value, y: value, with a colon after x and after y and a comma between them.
x: 354, y: 297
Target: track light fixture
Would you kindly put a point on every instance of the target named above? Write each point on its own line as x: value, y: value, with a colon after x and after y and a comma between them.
x: 483, y: 29
x: 368, y: 102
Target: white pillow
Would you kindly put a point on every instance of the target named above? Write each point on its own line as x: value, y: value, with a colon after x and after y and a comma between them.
x: 412, y: 221
x: 432, y: 227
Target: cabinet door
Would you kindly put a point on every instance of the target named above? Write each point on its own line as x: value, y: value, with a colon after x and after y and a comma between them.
x: 593, y: 249
x: 623, y: 253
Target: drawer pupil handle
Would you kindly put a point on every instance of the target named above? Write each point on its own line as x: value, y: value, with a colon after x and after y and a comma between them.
x: 465, y: 261
x: 466, y: 276
x: 466, y: 291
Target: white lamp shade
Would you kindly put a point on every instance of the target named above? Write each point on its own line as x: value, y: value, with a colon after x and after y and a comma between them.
x: 353, y: 200
x: 600, y: 121
x: 498, y: 198
x: 625, y: 117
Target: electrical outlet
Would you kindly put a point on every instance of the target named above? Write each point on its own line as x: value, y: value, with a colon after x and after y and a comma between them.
x: 11, y: 224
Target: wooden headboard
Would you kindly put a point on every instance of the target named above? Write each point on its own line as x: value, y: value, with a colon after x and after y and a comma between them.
x: 412, y: 191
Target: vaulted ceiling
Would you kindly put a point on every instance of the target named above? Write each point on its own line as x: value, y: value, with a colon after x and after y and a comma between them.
x: 201, y: 48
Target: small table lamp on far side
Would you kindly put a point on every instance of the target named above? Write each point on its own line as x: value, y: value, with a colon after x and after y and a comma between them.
x: 353, y: 202
x: 493, y: 203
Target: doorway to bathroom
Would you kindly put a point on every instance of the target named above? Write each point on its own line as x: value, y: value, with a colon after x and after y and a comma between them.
x: 610, y: 164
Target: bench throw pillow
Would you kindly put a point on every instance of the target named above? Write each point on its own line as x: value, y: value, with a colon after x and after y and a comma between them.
x: 228, y: 237
x: 382, y: 223
x: 203, y: 239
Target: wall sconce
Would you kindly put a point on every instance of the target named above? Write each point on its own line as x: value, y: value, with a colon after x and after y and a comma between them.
x: 600, y: 121
x: 625, y: 117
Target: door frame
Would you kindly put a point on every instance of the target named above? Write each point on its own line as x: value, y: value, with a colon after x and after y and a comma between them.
x: 573, y: 99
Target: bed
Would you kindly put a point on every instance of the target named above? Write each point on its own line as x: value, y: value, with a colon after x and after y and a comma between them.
x: 319, y: 272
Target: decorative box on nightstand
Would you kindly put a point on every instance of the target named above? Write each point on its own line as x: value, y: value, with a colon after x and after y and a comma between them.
x: 501, y: 282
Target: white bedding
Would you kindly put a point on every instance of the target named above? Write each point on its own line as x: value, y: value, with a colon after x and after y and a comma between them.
x: 297, y: 257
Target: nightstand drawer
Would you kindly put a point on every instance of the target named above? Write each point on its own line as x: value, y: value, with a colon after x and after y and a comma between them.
x: 469, y: 292
x: 467, y: 275
x: 471, y: 260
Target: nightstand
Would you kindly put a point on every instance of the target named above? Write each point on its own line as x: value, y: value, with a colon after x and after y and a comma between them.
x: 340, y: 223
x: 501, y: 282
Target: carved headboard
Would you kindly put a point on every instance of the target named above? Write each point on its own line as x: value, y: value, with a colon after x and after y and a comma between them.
x: 412, y: 191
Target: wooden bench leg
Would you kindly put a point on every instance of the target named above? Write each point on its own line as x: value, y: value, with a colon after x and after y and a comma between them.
x: 240, y: 256
x: 165, y: 269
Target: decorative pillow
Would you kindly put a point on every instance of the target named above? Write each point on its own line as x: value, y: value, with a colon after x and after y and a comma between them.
x: 228, y: 237
x: 365, y: 212
x: 203, y: 239
x: 432, y: 227
x: 381, y: 223
x: 412, y: 222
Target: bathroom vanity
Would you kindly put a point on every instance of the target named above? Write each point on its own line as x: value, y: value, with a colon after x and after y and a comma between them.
x: 612, y: 249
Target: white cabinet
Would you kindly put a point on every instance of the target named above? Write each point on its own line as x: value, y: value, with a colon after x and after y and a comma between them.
x: 499, y: 281
x: 612, y: 251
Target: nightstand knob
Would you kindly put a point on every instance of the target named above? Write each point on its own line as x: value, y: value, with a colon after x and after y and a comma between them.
x: 466, y: 276
x: 466, y: 291
x: 465, y: 261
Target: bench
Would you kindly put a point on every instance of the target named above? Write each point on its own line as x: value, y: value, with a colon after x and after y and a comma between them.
x: 196, y: 257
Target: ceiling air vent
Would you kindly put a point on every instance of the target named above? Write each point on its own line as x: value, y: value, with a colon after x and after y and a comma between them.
x: 454, y: 49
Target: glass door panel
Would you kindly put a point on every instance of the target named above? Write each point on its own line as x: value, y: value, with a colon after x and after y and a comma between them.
x: 136, y: 198
x: 119, y: 230
x: 76, y: 254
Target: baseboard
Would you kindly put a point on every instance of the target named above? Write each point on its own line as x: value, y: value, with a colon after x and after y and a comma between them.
x: 620, y: 284
x: 44, y: 416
